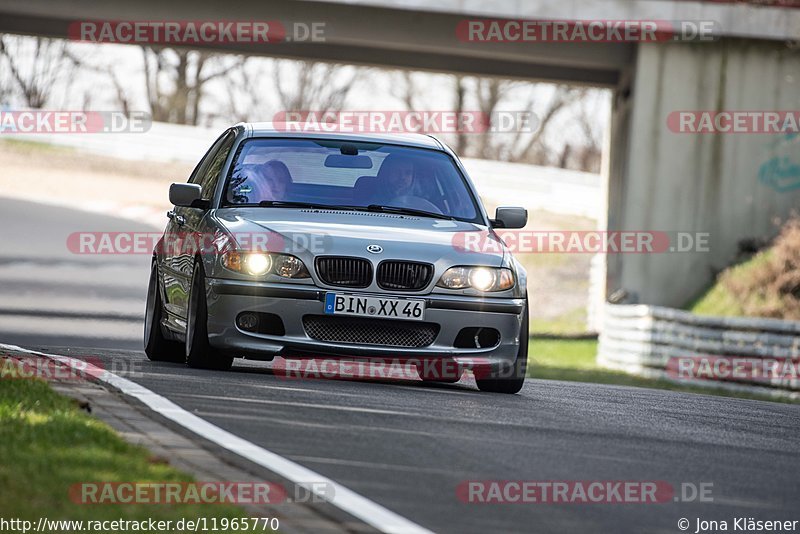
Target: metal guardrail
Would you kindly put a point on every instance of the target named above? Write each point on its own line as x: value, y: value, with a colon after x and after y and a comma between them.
x: 747, y: 354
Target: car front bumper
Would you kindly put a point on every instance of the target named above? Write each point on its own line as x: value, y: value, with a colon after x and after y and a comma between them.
x: 228, y: 298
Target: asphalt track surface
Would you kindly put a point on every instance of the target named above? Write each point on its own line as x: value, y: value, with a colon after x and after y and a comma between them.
x: 404, y: 444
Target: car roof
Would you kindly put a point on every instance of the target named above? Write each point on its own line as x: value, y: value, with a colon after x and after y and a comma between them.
x: 269, y: 129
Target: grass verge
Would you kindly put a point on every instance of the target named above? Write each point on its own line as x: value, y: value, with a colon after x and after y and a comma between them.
x: 572, y: 322
x: 48, y: 444
x: 721, y: 300
x: 766, y: 284
x: 29, y: 147
x: 575, y: 361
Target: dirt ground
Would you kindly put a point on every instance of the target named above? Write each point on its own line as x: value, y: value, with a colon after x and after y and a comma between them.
x: 56, y: 175
x: 558, y: 283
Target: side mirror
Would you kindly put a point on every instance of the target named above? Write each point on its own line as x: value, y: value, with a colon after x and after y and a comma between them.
x: 184, y: 194
x: 508, y: 217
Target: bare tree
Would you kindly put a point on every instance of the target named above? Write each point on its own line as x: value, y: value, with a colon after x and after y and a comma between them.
x: 520, y: 144
x: 489, y: 96
x: 35, y: 64
x: 186, y: 73
x: 489, y: 92
x: 243, y: 101
x: 260, y: 87
x: 583, y: 149
x: 6, y: 90
x: 460, y: 95
x: 121, y: 90
x: 591, y: 152
x: 122, y: 96
x: 533, y: 148
x: 312, y: 85
x: 407, y: 87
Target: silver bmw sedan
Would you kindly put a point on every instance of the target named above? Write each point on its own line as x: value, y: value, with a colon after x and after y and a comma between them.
x: 349, y: 246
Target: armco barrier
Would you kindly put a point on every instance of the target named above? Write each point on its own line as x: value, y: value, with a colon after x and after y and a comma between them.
x: 652, y: 340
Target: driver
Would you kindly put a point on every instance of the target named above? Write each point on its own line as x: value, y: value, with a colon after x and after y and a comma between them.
x: 400, y: 187
x: 396, y: 178
x: 401, y: 177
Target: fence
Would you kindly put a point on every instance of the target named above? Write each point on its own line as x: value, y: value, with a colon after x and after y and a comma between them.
x: 748, y: 354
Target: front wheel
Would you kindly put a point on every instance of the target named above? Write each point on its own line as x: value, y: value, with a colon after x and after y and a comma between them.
x: 510, y: 380
x: 156, y: 346
x: 199, y: 352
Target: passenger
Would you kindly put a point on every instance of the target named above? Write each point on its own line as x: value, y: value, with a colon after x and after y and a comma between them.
x: 248, y: 185
x: 278, y: 179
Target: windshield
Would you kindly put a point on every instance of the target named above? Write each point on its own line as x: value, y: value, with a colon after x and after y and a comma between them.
x: 348, y: 174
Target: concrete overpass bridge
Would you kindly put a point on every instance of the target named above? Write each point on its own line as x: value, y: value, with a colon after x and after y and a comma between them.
x: 730, y: 185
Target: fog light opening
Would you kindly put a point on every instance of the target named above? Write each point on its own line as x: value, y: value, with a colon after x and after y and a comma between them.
x: 247, y: 321
x: 486, y: 338
x: 477, y: 337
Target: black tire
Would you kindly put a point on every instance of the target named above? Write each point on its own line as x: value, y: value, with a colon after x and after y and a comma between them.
x: 510, y: 380
x: 199, y: 352
x: 156, y: 346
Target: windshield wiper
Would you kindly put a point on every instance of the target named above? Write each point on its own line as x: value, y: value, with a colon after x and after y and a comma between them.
x: 371, y: 207
x: 292, y: 204
x: 409, y: 211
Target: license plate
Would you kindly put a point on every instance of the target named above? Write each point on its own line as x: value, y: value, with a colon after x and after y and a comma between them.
x: 390, y: 308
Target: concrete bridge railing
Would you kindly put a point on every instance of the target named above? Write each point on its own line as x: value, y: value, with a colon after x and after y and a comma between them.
x: 749, y: 354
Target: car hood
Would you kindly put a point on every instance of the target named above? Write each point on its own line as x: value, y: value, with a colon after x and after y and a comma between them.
x: 309, y: 232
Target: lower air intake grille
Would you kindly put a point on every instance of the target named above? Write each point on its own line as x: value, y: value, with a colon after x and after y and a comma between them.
x: 385, y: 332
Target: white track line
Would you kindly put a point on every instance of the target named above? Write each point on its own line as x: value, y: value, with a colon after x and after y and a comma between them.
x: 345, y: 499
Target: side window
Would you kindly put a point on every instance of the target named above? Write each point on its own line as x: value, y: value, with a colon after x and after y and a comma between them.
x: 209, y: 174
x: 201, y: 167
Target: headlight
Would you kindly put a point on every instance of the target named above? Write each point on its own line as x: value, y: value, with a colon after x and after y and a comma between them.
x: 481, y: 278
x: 258, y: 264
x: 289, y: 267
